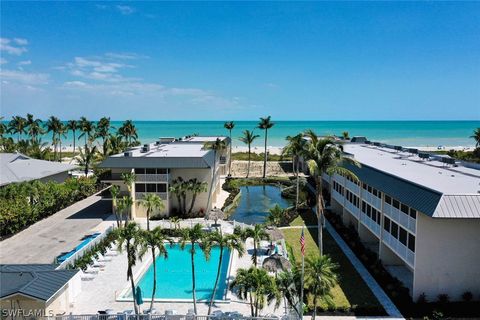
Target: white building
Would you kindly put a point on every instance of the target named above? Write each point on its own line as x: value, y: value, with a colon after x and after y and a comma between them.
x: 420, y: 213
x: 156, y: 165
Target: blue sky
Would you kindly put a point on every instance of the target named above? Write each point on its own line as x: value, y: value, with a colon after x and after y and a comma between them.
x: 215, y: 61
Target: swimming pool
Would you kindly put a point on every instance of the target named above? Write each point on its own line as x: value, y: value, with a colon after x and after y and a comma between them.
x: 64, y: 256
x: 255, y: 203
x: 174, y: 275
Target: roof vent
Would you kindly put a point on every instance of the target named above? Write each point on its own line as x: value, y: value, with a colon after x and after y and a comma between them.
x: 145, y: 148
x: 128, y: 154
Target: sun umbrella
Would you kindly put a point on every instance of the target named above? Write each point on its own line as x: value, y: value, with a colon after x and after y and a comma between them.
x: 216, y: 214
x: 139, y: 296
x: 276, y: 263
x: 275, y: 234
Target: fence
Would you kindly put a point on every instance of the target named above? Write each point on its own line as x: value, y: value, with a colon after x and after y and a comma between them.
x: 157, y: 317
x: 70, y: 260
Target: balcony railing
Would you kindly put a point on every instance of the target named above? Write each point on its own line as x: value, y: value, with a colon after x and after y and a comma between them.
x: 152, y: 177
x: 140, y: 195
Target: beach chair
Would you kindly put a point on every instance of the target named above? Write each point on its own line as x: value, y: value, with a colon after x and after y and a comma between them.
x: 103, y: 258
x: 86, y: 277
x: 91, y: 270
x: 97, y: 264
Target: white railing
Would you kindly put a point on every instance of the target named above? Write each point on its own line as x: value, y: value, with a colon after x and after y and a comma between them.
x: 370, y: 224
x: 121, y: 316
x: 400, y: 217
x: 146, y: 177
x: 70, y: 260
x: 140, y: 195
x: 355, y: 188
x: 352, y: 209
x: 372, y: 200
x: 337, y: 196
x: 399, y: 248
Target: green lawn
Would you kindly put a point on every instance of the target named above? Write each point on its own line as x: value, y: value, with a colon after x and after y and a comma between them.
x: 351, y: 290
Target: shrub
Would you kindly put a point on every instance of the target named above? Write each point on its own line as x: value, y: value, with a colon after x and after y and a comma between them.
x: 422, y: 299
x: 467, y: 296
x: 443, y: 298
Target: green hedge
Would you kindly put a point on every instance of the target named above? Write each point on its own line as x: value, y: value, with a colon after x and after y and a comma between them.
x: 23, y: 204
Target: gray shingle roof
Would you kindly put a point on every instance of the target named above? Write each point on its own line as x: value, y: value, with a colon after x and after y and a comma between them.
x: 16, y: 167
x: 38, y: 281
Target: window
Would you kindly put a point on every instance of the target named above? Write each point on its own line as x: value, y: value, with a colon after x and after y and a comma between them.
x: 403, y: 236
x: 394, y: 230
x: 139, y: 187
x: 161, y: 187
x: 139, y: 170
x: 388, y: 200
x: 396, y: 204
x: 364, y: 205
x: 162, y: 171
x: 413, y: 213
x: 404, y: 209
x: 151, y: 187
x: 379, y: 219
x: 364, y: 186
x: 411, y: 242
x: 374, y: 192
x: 150, y: 171
x: 379, y: 194
x: 370, y: 189
x: 369, y: 211
x: 386, y: 224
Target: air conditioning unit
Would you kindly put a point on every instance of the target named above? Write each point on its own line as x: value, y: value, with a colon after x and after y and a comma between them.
x: 128, y: 154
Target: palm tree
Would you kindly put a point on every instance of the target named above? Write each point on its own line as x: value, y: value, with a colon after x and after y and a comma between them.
x: 115, y: 191
x: 87, y: 158
x: 324, y: 156
x: 231, y: 242
x: 115, y: 144
x: 175, y: 221
x: 218, y: 146
x: 53, y: 125
x: 289, y: 284
x: 88, y: 130
x: 248, y: 138
x: 258, y: 285
x: 128, y: 131
x: 103, y: 132
x: 151, y: 202
x: 265, y: 124
x: 72, y: 125
x: 34, y: 127
x: 130, y: 237
x: 3, y: 128
x: 154, y: 240
x: 129, y: 179
x: 296, y: 148
x: 196, y: 187
x: 125, y: 207
x: 17, y: 126
x: 257, y: 233
x: 320, y: 278
x: 345, y: 135
x: 62, y: 130
x: 229, y: 126
x: 176, y: 188
x: 192, y: 236
x: 276, y: 215
x: 476, y: 137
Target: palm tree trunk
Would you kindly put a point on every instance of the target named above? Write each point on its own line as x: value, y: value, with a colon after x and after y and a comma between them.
x: 314, y: 306
x: 154, y: 279
x: 194, y: 295
x: 148, y: 220
x: 249, y: 158
x: 179, y: 199
x: 60, y: 149
x: 184, y: 203
x: 251, y: 306
x: 73, y: 144
x: 265, y: 156
x: 130, y: 277
x: 194, y: 198
x: 216, y: 280
x: 319, y: 215
x: 209, y: 202
x: 114, y: 209
x: 230, y: 155
x: 255, y: 252
x: 297, y: 173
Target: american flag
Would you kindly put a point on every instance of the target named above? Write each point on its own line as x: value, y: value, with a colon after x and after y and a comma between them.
x: 302, y: 243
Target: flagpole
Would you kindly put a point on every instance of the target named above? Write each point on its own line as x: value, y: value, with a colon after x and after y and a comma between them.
x: 303, y: 272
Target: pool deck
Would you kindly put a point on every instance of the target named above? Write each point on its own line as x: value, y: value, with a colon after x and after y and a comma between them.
x: 101, y: 293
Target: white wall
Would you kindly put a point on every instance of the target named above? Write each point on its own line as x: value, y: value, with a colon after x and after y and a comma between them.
x: 447, y: 257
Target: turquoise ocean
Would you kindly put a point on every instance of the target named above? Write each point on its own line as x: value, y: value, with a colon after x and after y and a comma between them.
x: 405, y: 133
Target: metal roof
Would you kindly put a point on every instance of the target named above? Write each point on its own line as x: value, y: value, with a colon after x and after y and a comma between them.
x: 36, y: 281
x: 16, y: 167
x: 454, y: 206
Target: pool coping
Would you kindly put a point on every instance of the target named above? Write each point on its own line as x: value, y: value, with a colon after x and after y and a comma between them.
x: 146, y: 265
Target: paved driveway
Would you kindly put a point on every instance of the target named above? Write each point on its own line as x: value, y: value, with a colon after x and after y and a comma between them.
x: 61, y: 232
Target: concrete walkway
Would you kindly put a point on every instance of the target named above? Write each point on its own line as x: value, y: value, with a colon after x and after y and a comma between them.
x: 381, y: 296
x: 61, y: 232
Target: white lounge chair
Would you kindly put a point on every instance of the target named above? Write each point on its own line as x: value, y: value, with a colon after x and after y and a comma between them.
x: 91, y: 270
x: 86, y: 277
x: 97, y: 264
x: 111, y: 253
x: 102, y: 258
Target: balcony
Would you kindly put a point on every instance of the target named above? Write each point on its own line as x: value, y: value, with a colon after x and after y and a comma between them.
x: 223, y: 160
x: 400, y: 217
x: 152, y: 177
x: 399, y: 248
x: 140, y: 195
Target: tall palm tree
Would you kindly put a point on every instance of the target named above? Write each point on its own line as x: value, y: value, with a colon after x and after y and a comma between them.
x: 53, y: 125
x: 3, y: 128
x: 128, y: 131
x: 155, y: 241
x: 18, y: 126
x: 258, y: 285
x: 476, y: 137
x: 248, y: 138
x: 324, y: 156
x: 115, y: 191
x: 218, y: 146
x: 276, y: 215
x: 192, y: 236
x: 296, y: 147
x: 229, y: 126
x: 151, y: 202
x: 231, y: 242
x: 265, y: 124
x: 62, y: 131
x: 289, y: 284
x: 176, y: 187
x: 87, y: 128
x: 130, y: 237
x: 34, y: 127
x: 87, y: 158
x: 257, y: 233
x: 72, y: 125
x: 103, y: 132
x: 129, y: 179
x: 196, y: 187
x: 320, y: 278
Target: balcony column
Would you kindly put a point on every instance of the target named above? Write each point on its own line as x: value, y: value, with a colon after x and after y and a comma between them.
x: 132, y: 194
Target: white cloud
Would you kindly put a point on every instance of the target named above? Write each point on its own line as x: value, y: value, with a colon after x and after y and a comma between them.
x: 124, y: 55
x: 15, y: 47
x: 21, y: 77
x: 125, y: 10
x: 3, y: 60
x: 25, y: 63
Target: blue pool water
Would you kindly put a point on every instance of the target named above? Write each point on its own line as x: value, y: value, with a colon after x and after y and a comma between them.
x: 255, y: 203
x: 174, y: 275
x: 85, y: 241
